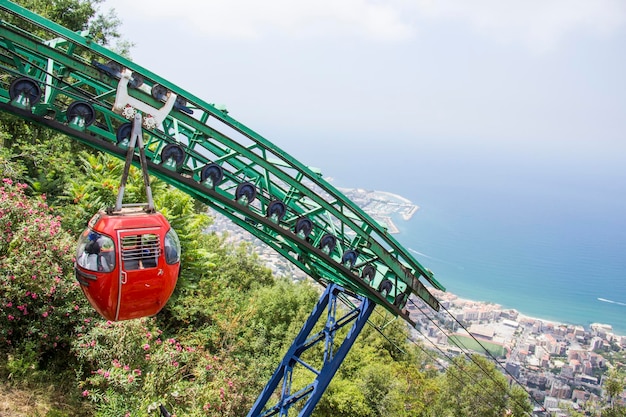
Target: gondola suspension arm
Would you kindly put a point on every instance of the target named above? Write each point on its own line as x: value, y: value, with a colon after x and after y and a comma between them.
x: 135, y: 140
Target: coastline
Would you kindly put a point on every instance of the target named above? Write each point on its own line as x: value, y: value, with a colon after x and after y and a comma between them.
x: 520, y: 316
x: 390, y: 225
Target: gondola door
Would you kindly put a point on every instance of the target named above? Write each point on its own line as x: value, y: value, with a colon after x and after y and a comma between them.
x: 143, y: 291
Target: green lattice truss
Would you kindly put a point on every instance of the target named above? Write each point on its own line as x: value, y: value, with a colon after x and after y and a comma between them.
x: 63, y: 80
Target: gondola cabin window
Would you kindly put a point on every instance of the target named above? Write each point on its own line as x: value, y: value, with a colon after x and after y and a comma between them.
x: 140, y: 251
x: 172, y: 247
x: 96, y: 252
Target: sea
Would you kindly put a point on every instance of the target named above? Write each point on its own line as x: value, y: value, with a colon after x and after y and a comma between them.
x: 547, y: 239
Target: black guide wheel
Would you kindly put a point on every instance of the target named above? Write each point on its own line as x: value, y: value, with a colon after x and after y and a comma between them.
x: 115, y: 68
x: 180, y: 102
x: 277, y: 208
x: 212, y: 172
x: 136, y: 80
x: 123, y: 132
x: 400, y: 300
x: 26, y: 87
x: 174, y: 152
x: 328, y: 241
x: 368, y: 273
x: 159, y: 92
x: 349, y: 257
x: 82, y: 110
x: 385, y: 287
x: 304, y: 226
x: 247, y: 190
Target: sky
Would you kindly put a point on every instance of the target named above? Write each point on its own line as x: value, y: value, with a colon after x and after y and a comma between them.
x: 505, y: 117
x: 539, y: 80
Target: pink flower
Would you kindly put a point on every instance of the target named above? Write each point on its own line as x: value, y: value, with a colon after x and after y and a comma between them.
x: 10, y: 317
x: 206, y: 407
x: 137, y: 371
x: 146, y: 346
x: 45, y: 314
x: 131, y: 378
x: 85, y: 393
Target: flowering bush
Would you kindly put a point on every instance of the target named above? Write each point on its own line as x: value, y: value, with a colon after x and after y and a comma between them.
x: 130, y: 368
x: 40, y: 302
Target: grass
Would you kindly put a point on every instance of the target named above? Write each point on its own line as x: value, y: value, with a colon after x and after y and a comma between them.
x: 39, y: 398
x: 464, y: 341
x: 27, y: 402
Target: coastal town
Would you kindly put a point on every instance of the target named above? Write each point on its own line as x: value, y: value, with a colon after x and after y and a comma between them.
x: 562, y: 366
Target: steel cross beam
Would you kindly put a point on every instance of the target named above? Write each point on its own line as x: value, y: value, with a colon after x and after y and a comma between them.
x: 63, y: 80
x: 333, y: 355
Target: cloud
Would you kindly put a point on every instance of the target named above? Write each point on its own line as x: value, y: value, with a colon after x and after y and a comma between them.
x: 538, y: 24
x: 251, y: 19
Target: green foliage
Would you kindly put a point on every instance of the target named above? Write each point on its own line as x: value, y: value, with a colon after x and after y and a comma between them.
x: 39, y: 157
x: 474, y: 387
x: 344, y: 397
x: 276, y: 311
x: 382, y: 376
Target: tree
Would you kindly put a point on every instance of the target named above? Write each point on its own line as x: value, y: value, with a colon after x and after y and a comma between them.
x: 614, y: 385
x: 474, y: 387
x: 82, y: 15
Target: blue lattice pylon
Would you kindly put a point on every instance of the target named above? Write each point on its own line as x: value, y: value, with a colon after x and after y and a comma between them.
x: 333, y: 355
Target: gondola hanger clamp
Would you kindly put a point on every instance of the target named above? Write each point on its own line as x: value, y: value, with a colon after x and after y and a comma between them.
x: 127, y: 106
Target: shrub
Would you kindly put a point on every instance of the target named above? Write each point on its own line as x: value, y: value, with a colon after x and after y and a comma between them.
x: 130, y: 368
x: 40, y: 302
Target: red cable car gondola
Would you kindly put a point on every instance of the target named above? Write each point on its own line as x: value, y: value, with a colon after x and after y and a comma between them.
x: 127, y: 263
x: 128, y: 258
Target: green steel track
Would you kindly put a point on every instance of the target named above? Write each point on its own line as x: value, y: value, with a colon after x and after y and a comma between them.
x: 62, y: 80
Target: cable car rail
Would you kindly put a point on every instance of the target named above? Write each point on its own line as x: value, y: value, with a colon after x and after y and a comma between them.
x: 62, y: 80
